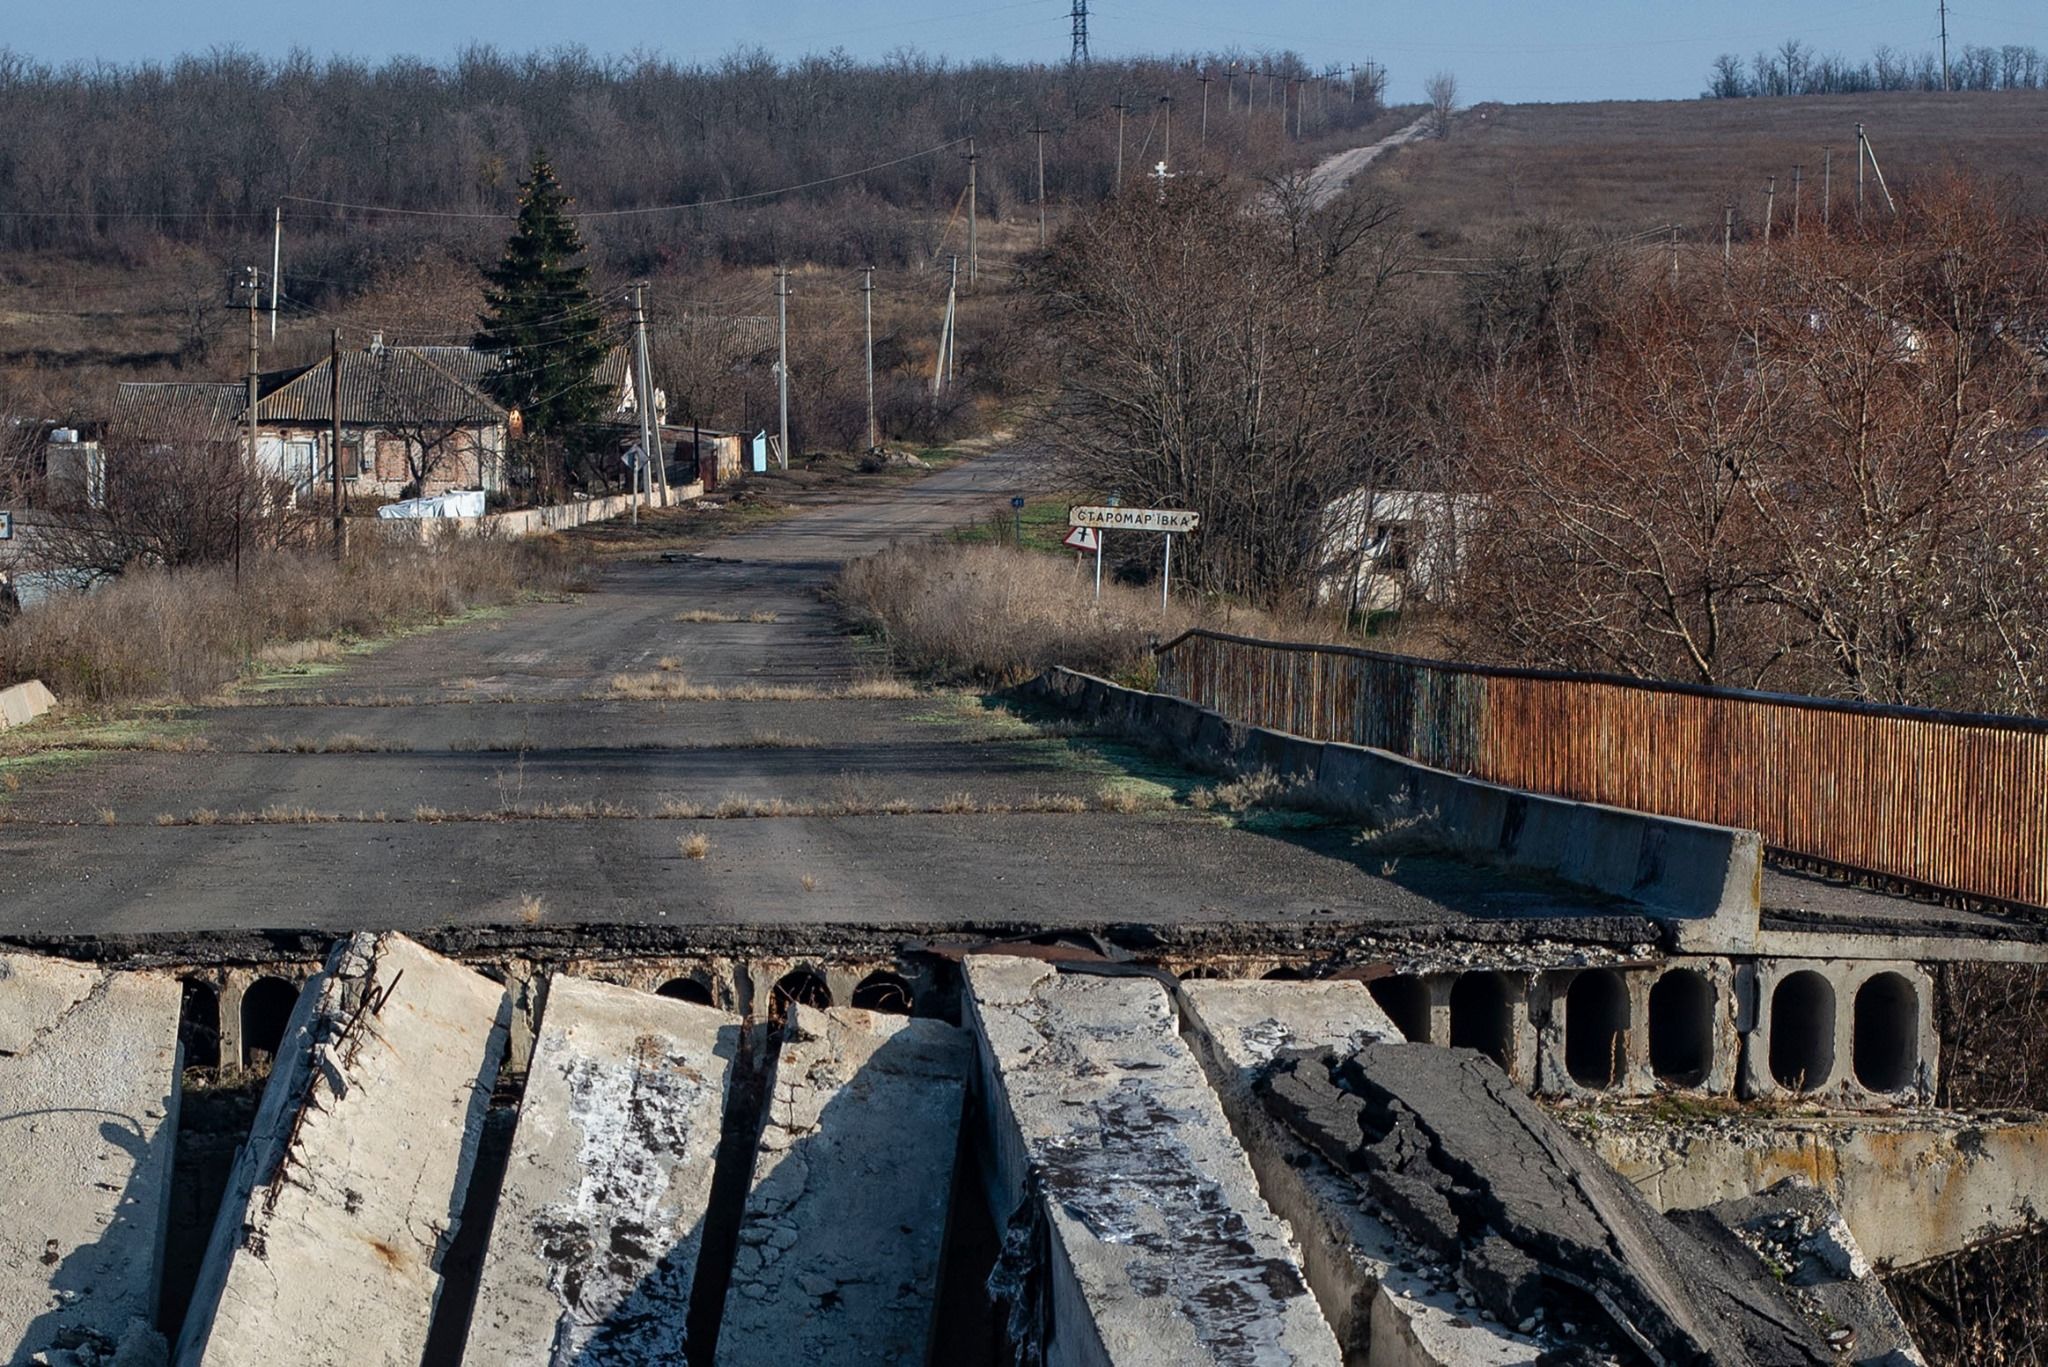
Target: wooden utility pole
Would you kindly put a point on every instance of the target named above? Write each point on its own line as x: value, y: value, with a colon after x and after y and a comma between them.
x: 973, y: 241
x: 782, y: 360
x: 1770, y: 208
x: 1039, y: 133
x: 867, y: 291
x: 334, y: 435
x: 255, y: 293
x: 1122, y: 107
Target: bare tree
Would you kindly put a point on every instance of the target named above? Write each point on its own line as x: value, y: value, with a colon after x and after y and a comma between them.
x: 1442, y: 90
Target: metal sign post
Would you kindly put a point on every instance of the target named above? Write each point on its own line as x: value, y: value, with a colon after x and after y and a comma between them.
x: 1166, y: 576
x: 1166, y: 520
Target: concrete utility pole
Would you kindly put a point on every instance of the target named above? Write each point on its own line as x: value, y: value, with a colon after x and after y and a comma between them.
x: 973, y: 255
x: 942, y: 367
x: 334, y: 434
x: 1728, y: 233
x: 1122, y: 107
x: 1860, y: 148
x: 1203, y: 140
x: 782, y: 361
x: 1167, y: 100
x: 1770, y: 208
x: 1299, y: 100
x: 1827, y: 187
x: 276, y: 262
x: 867, y: 291
x: 1039, y: 133
x: 643, y: 387
x: 1798, y: 180
x: 1674, y: 255
x: 1944, y: 47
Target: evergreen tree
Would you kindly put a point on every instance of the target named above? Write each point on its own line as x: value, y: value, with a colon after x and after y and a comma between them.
x: 541, y: 316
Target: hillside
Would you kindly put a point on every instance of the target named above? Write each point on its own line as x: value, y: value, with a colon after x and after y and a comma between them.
x: 1631, y: 166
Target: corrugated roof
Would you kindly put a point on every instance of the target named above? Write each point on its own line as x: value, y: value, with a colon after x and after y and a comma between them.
x: 391, y: 385
x: 180, y: 408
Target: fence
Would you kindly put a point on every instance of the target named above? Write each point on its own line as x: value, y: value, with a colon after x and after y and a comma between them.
x: 1952, y: 801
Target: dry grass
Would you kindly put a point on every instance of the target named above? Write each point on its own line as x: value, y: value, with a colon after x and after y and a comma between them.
x: 995, y: 615
x: 693, y: 846
x: 810, y: 883
x: 531, y: 909
x: 708, y: 615
x: 669, y: 663
x: 677, y: 687
x: 183, y: 634
x: 347, y: 743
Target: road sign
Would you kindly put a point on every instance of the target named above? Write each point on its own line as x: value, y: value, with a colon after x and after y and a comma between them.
x: 1134, y: 519
x: 1084, y: 539
x: 1017, y: 501
x: 6, y: 526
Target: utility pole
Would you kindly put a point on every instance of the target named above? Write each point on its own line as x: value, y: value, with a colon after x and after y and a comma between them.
x: 1167, y: 100
x: 867, y: 291
x: 334, y: 434
x: 1944, y: 47
x: 643, y: 399
x: 1203, y: 140
x: 1300, y: 97
x: 953, y: 323
x: 1039, y: 133
x: 782, y: 362
x: 253, y: 287
x: 1860, y: 146
x: 941, y: 370
x: 1122, y: 107
x: 973, y: 256
x: 1798, y: 180
x: 276, y: 262
x: 1770, y: 208
x: 1674, y: 256
x: 1827, y: 187
x: 1079, y: 56
x: 1728, y: 233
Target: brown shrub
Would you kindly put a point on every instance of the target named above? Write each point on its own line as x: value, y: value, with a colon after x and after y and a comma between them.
x: 995, y: 615
x: 182, y: 634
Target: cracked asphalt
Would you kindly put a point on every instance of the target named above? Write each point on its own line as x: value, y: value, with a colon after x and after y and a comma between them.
x: 490, y: 773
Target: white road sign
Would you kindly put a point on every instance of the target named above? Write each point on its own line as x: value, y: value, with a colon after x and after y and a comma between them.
x: 1134, y: 519
x: 1084, y: 539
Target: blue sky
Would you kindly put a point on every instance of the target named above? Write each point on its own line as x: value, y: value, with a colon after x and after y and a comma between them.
x: 1499, y: 49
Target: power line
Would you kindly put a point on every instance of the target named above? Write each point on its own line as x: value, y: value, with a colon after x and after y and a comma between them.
x: 649, y: 209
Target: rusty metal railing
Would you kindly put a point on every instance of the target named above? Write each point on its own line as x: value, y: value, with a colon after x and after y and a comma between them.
x: 1951, y: 801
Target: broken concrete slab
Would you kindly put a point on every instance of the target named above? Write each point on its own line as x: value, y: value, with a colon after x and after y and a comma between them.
x: 329, y: 1243
x: 1137, y: 1232
x: 1801, y: 1241
x: 839, y: 1247
x: 1374, y: 1291
x: 593, y: 1249
x: 88, y: 1121
x: 1541, y: 1233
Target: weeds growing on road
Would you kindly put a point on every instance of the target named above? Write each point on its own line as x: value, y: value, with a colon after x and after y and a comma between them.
x: 347, y: 743
x: 183, y: 634
x: 709, y: 615
x: 676, y: 687
x: 693, y: 846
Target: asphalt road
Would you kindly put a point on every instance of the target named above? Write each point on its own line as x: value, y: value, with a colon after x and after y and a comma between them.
x: 490, y: 773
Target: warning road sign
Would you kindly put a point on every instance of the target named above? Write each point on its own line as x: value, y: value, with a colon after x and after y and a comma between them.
x: 1084, y: 539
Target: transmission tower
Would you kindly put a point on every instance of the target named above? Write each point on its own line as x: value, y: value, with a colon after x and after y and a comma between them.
x: 1080, y: 32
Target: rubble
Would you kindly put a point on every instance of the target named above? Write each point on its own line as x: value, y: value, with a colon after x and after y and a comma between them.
x: 1534, y: 1229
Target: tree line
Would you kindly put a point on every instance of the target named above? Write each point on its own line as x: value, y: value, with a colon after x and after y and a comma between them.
x: 202, y: 148
x: 1793, y: 68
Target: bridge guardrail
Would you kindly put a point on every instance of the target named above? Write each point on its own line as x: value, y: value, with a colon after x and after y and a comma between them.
x: 1953, y: 801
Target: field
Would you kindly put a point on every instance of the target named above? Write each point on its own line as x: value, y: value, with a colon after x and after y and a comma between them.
x: 1634, y: 166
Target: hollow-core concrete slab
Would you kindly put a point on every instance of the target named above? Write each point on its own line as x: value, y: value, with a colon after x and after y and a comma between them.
x: 330, y: 1238
x: 1114, y: 1154
x: 88, y: 1120
x: 846, y: 1216
x: 593, y: 1250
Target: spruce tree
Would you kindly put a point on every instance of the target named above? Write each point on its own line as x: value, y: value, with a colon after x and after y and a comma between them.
x: 541, y: 317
